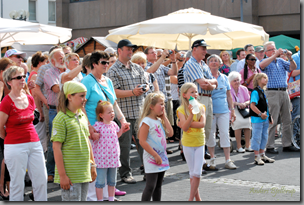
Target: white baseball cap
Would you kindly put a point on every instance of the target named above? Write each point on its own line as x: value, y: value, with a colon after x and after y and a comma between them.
x: 11, y: 52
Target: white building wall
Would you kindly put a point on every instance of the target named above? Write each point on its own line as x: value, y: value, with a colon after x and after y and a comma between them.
x: 41, y: 9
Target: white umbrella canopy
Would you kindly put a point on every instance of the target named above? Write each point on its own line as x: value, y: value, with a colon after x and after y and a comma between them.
x: 27, y: 33
x: 179, y: 29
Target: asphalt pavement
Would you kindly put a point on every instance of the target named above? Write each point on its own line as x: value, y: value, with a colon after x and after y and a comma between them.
x: 278, y: 181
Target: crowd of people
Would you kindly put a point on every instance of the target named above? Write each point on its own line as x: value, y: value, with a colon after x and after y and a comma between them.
x: 73, y: 121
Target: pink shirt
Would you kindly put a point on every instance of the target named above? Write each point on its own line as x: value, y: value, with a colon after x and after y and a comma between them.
x: 242, y: 96
x: 106, y: 150
x: 249, y: 74
x: 51, y: 78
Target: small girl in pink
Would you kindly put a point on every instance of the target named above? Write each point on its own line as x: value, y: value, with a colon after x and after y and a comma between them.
x: 106, y: 150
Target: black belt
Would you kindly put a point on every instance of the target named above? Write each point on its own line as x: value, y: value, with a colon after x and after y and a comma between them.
x: 279, y: 89
x: 52, y: 106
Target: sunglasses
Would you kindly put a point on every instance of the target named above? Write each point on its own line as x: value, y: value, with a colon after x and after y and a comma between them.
x: 252, y: 59
x: 180, y: 60
x: 17, y: 56
x: 19, y: 77
x: 104, y: 62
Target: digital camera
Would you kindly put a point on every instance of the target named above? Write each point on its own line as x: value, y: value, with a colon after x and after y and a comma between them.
x: 143, y: 87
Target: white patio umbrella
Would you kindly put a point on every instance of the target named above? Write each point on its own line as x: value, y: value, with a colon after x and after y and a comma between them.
x: 27, y: 33
x: 179, y: 29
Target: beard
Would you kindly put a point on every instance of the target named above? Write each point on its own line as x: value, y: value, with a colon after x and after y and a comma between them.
x: 58, y: 65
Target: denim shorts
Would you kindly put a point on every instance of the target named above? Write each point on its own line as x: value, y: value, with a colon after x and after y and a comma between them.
x: 106, y: 173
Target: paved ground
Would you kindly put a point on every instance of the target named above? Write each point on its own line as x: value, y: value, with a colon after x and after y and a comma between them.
x: 279, y: 181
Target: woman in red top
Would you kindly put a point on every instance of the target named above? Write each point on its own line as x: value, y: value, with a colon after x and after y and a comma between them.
x: 22, y: 148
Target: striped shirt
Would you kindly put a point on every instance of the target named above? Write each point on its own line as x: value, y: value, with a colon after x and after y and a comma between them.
x: 180, y: 77
x: 40, y: 77
x: 51, y: 78
x: 124, y: 78
x: 194, y: 70
x: 160, y: 75
x: 72, y: 131
x: 276, y: 72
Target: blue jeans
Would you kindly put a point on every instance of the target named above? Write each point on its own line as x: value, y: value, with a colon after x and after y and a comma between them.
x: 296, y: 110
x: 259, y: 135
x: 50, y: 162
x: 102, y: 174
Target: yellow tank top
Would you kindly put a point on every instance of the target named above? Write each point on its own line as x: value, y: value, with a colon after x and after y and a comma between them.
x: 194, y: 137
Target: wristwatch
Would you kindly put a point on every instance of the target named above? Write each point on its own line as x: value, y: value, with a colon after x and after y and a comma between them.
x: 260, y: 114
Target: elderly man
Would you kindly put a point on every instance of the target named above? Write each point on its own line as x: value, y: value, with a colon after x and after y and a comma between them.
x: 51, y: 82
x: 127, y: 78
x: 278, y: 99
x: 240, y: 55
x: 248, y: 49
x: 198, y: 72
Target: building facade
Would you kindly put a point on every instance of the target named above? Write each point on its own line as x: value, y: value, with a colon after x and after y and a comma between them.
x: 95, y: 17
x: 40, y: 11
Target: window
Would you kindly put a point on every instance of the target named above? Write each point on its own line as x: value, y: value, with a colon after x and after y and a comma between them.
x: 52, y: 11
x: 32, y: 10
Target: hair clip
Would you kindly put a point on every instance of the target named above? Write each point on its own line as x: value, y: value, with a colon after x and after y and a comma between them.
x: 103, y: 102
x: 154, y: 95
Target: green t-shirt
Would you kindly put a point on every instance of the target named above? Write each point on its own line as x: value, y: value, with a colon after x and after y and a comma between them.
x: 73, y: 132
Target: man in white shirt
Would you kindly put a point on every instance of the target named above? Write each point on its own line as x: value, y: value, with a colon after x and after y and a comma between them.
x: 240, y: 54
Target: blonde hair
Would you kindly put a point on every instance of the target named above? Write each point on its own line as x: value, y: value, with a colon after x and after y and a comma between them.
x: 257, y: 78
x: 150, y: 100
x: 9, y: 72
x: 221, y: 55
x: 185, y: 102
x: 68, y: 57
x: 101, y: 106
x: 139, y: 57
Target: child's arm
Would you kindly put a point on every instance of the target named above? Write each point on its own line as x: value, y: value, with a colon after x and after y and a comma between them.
x: 124, y: 128
x: 257, y: 111
x: 202, y: 121
x: 168, y: 126
x: 93, y: 168
x: 142, y: 135
x: 65, y: 181
x: 186, y: 124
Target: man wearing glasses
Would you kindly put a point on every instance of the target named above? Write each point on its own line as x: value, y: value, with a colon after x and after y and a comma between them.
x: 279, y: 102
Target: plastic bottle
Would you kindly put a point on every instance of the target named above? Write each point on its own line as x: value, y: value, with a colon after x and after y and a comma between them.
x: 194, y: 104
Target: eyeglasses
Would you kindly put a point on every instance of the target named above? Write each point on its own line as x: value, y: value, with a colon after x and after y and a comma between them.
x: 104, y: 62
x: 17, y: 56
x: 19, y: 77
x: 252, y: 59
x: 272, y: 49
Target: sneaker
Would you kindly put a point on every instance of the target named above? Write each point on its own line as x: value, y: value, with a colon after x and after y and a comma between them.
x: 208, y: 167
x: 266, y: 159
x: 241, y: 150
x: 133, y: 146
x: 212, y: 162
x: 230, y: 165
x: 128, y: 180
x: 249, y: 149
x: 258, y: 161
x: 119, y: 193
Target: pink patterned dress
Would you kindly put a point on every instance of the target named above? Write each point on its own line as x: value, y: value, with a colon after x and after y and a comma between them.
x: 106, y: 150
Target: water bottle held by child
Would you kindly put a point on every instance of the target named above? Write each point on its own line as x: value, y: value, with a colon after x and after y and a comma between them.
x: 194, y: 103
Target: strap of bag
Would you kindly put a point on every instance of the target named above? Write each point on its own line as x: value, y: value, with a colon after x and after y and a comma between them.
x: 100, y: 87
x: 290, y: 76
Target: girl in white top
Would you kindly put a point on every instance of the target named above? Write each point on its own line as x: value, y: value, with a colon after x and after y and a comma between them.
x: 152, y: 138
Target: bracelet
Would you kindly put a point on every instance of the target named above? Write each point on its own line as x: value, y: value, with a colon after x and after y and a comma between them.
x: 93, y: 165
x: 121, y: 118
x: 133, y: 92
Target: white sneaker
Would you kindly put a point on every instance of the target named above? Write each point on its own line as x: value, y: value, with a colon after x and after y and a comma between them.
x: 258, y: 161
x: 249, y: 149
x: 266, y: 159
x: 241, y: 150
x: 230, y: 165
x: 212, y: 162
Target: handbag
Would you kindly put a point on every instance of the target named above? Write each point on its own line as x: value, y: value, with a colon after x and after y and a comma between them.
x: 293, y: 88
x: 244, y: 112
x: 36, y: 117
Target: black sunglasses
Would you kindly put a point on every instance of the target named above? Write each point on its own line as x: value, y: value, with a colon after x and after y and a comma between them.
x: 180, y: 60
x: 104, y: 62
x: 252, y: 59
x: 17, y: 56
x: 19, y: 77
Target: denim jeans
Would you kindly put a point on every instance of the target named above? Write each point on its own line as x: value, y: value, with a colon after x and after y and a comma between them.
x: 106, y: 173
x: 50, y: 162
x: 259, y: 135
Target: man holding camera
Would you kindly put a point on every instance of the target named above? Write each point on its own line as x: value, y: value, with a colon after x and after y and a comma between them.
x: 128, y: 79
x: 278, y: 99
